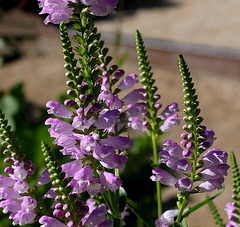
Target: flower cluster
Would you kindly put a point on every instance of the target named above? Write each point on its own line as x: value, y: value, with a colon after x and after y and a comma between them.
x: 232, y: 215
x: 213, y: 163
x: 14, y: 191
x: 89, y: 133
x: 59, y: 10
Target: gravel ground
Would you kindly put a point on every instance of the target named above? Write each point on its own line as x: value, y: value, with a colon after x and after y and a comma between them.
x: 209, y: 22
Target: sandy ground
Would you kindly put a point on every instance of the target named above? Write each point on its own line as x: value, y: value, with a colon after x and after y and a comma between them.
x: 209, y: 22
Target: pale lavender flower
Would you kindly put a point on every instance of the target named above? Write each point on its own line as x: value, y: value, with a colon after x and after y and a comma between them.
x: 10, y: 205
x: 163, y: 176
x: 58, y: 109
x: 111, y: 181
x: 169, y: 111
x: 170, y: 123
x: 108, y: 157
x: 47, y: 221
x: 128, y: 82
x: 57, y: 10
x: 167, y: 218
x: 133, y: 96
x: 137, y: 124
x: 108, y: 120
x: 101, y: 7
x: 44, y: 178
x: 117, y: 142
x: 22, y: 218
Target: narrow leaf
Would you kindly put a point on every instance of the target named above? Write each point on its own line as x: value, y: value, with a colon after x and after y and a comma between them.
x: 199, y: 205
x: 140, y: 213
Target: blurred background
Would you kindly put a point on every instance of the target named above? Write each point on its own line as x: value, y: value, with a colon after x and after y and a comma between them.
x: 207, y: 33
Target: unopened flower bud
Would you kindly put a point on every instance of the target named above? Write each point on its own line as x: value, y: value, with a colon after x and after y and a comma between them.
x: 58, y: 206
x: 71, y: 224
x: 31, y: 170
x: 58, y: 213
x: 184, y: 135
x: 68, y: 215
x: 65, y: 207
x: 9, y: 170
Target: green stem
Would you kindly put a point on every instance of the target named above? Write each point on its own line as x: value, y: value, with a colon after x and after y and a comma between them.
x: 158, y: 184
x: 183, y: 205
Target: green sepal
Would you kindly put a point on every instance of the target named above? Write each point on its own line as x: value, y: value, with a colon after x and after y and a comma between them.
x: 140, y: 213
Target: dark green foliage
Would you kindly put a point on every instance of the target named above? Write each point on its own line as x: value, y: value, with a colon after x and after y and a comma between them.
x: 236, y: 180
x: 218, y: 220
x: 190, y: 98
x: 148, y: 83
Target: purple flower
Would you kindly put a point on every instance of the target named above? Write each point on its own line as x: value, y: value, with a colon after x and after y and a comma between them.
x: 133, y: 97
x: 22, y: 218
x: 57, y: 10
x: 70, y: 168
x: 108, y: 157
x: 46, y: 221
x: 184, y: 184
x: 10, y: 205
x: 108, y: 119
x: 209, y: 138
x: 128, y: 82
x: 111, y: 181
x: 232, y: 214
x: 211, y: 184
x: 117, y: 142
x: 167, y: 218
x: 58, y: 127
x: 58, y: 109
x: 137, y: 124
x: 214, y: 157
x: 170, y: 123
x: 101, y: 7
x: 213, y: 172
x: 169, y: 111
x: 173, y: 157
x: 163, y: 176
x: 44, y: 178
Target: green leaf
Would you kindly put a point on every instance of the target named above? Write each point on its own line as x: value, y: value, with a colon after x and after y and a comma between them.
x: 199, y: 205
x: 140, y: 212
x: 184, y: 224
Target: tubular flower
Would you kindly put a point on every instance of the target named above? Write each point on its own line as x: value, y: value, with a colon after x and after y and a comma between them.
x: 101, y: 7
x: 57, y: 10
x: 14, y: 193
